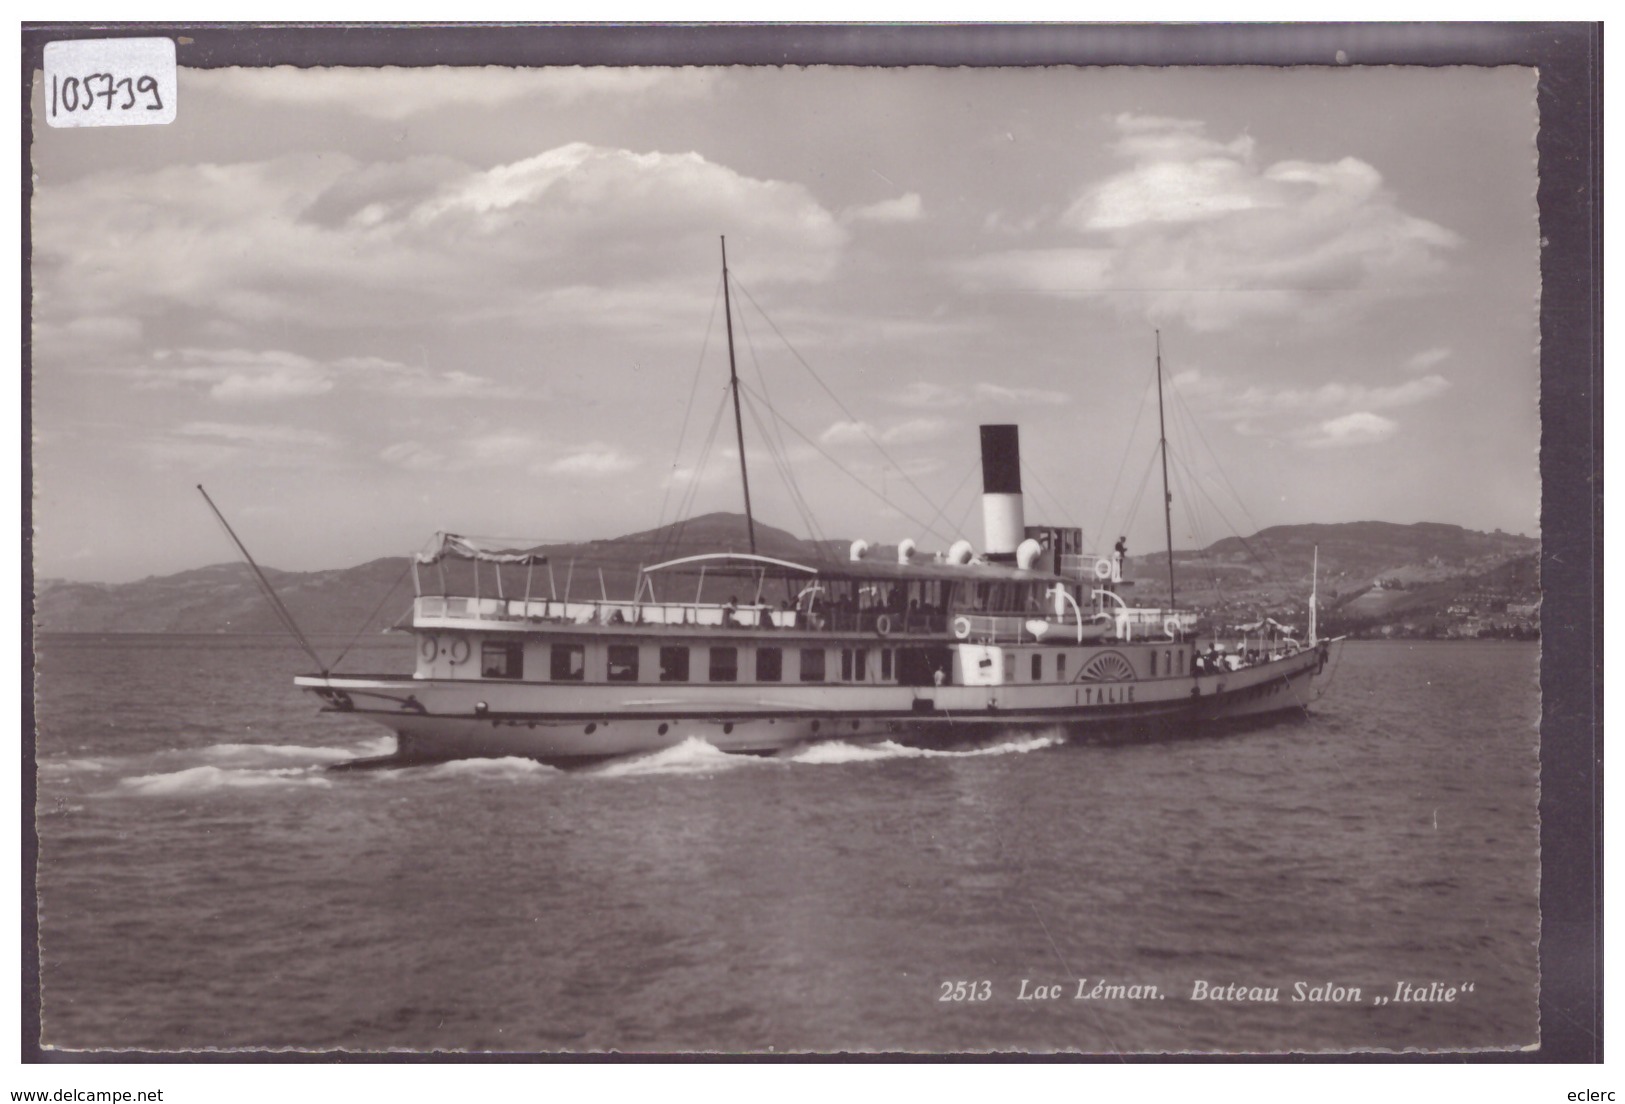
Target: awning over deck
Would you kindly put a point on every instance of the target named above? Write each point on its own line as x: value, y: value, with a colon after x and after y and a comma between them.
x: 741, y: 563
x: 450, y: 546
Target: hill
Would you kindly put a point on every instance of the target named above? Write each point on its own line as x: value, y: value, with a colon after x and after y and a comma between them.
x: 1371, y: 574
x: 225, y: 598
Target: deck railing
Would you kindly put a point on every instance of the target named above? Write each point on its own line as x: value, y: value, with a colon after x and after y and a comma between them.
x: 437, y: 608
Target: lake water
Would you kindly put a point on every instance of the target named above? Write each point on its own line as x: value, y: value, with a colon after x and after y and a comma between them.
x: 205, y: 882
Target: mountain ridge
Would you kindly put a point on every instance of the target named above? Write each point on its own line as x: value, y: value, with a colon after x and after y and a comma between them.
x: 1355, y: 559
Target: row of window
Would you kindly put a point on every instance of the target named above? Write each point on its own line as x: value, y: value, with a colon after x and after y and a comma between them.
x: 568, y: 663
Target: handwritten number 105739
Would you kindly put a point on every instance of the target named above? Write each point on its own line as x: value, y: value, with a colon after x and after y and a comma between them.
x: 81, y: 93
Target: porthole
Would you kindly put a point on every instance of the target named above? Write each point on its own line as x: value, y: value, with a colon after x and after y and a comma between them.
x: 662, y: 729
x: 591, y: 729
x: 727, y: 728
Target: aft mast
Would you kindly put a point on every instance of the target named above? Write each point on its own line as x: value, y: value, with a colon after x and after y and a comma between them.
x: 733, y: 380
x: 1167, y: 499
x: 1314, y: 598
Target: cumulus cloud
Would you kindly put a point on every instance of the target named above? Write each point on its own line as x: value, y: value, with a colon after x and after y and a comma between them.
x: 393, y: 93
x: 265, y: 375
x: 905, y: 208
x: 233, y: 375
x: 1226, y: 399
x: 511, y: 450
x: 592, y: 460
x: 329, y: 242
x: 1196, y: 230
x: 410, y: 381
x: 1359, y: 428
x: 1347, y: 411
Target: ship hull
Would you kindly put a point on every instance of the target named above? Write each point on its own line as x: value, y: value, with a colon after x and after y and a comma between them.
x: 437, y: 719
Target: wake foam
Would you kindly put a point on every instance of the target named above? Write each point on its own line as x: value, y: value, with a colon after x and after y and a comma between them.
x: 836, y: 752
x: 510, y: 767
x: 236, y: 753
x: 210, y: 779
x: 692, y: 756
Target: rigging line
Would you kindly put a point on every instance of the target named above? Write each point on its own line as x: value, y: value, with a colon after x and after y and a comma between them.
x: 1274, y: 567
x: 843, y: 470
x: 364, y: 625
x: 1183, y: 480
x: 1134, y: 506
x: 772, y: 431
x: 1055, y: 500
x: 1193, y: 494
x: 964, y: 518
x: 1244, y: 542
x: 693, y: 390
x: 265, y: 585
x: 1128, y: 446
x: 782, y: 464
x: 1029, y: 472
x: 761, y: 376
x: 1189, y: 485
x: 691, y: 492
x: 1202, y: 437
x: 834, y: 397
x: 686, y: 504
x: 970, y: 473
x: 940, y: 513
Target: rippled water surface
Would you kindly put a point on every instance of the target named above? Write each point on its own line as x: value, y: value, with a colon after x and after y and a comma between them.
x: 205, y: 881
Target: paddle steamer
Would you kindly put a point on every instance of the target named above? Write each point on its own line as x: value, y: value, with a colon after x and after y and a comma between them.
x: 1032, y: 633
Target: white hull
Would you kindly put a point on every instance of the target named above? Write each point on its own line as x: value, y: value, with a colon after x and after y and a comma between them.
x: 477, y: 718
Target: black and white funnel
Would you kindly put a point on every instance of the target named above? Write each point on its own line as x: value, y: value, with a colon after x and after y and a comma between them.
x: 1003, y: 520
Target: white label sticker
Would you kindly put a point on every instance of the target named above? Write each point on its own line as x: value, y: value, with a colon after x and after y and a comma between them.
x: 92, y: 82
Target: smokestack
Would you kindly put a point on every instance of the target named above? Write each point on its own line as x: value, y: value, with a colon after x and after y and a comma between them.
x: 1003, y: 523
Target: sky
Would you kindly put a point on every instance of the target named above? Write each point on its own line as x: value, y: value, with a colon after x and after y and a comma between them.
x: 361, y: 305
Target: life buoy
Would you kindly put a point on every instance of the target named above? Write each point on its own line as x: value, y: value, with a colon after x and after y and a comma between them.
x: 883, y: 624
x: 1171, y: 627
x: 1103, y: 569
x: 459, y: 650
x: 962, y: 627
x: 429, y: 647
